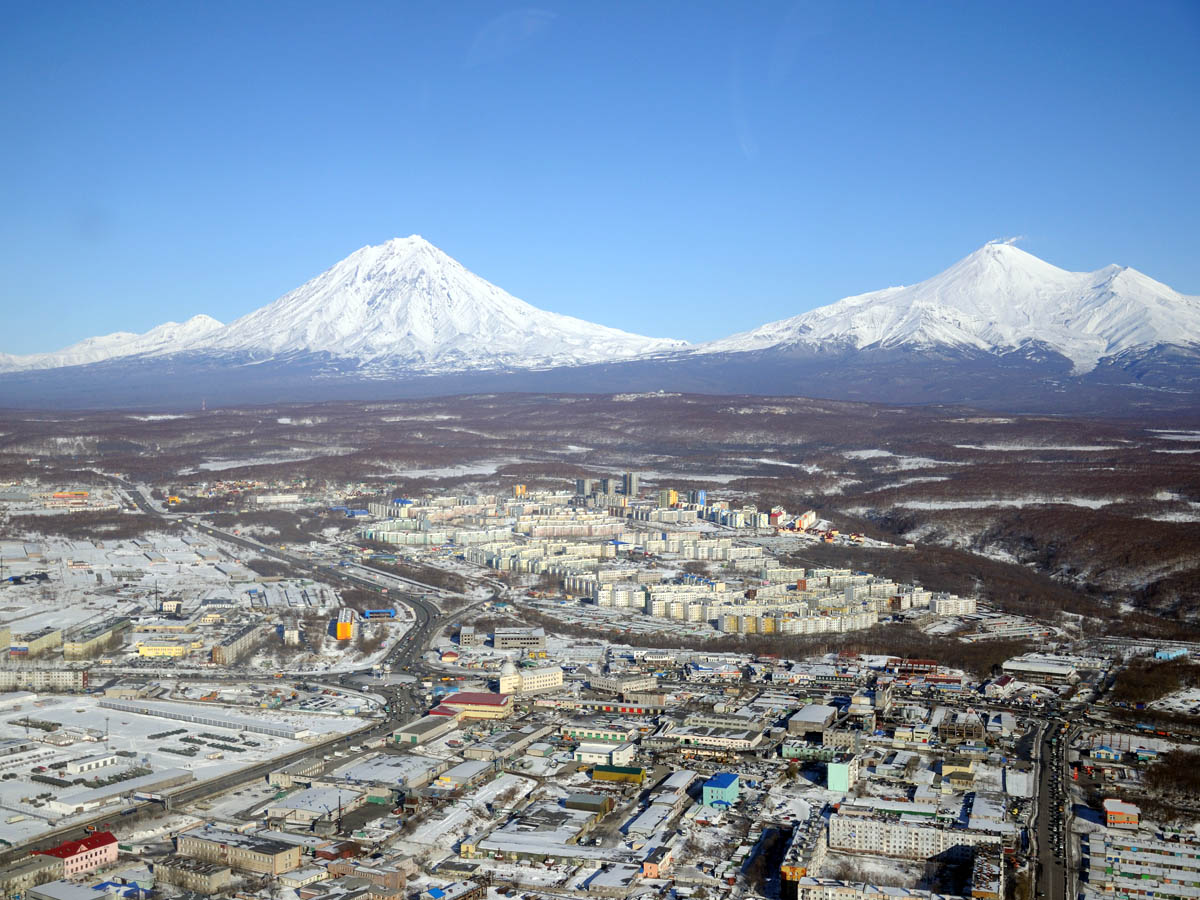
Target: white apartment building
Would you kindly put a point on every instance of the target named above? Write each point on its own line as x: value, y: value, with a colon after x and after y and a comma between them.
x: 952, y: 605
x: 887, y: 836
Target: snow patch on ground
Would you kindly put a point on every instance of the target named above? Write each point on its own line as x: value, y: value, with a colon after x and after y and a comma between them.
x: 1019, y: 448
x: 867, y: 454
x: 485, y: 467
x: 810, y: 469
x: 1011, y: 503
x: 1173, y: 517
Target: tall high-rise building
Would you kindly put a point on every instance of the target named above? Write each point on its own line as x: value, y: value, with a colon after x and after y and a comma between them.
x: 606, y: 486
x: 583, y: 486
x: 629, y: 484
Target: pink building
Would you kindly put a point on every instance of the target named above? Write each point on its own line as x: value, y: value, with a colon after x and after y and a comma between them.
x: 91, y: 853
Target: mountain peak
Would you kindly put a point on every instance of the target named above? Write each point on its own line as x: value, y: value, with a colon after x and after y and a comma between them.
x: 407, y: 304
x: 996, y: 299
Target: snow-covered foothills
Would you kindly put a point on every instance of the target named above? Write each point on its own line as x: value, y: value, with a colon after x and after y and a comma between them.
x: 169, y: 337
x: 997, y: 299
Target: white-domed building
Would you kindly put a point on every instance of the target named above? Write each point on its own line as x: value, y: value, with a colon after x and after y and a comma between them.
x: 528, y: 681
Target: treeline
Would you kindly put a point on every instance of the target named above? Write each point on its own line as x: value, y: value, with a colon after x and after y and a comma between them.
x: 86, y: 526
x: 1146, y: 680
x: 268, y: 568
x: 1175, y: 773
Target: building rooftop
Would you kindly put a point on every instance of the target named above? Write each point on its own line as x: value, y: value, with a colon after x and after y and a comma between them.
x: 67, y: 849
x: 476, y: 698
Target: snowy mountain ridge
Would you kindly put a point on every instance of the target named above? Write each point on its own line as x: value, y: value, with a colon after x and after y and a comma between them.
x: 162, y: 339
x: 996, y: 299
x: 406, y: 307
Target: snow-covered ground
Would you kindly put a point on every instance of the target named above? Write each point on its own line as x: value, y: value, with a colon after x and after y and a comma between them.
x: 1186, y: 701
x: 88, y: 723
x: 468, y: 814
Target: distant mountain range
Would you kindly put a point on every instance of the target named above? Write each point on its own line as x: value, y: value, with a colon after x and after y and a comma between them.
x: 999, y: 328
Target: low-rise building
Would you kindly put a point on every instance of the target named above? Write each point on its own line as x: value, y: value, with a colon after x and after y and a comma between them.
x: 244, y: 852
x: 194, y: 874
x: 1119, y: 814
x: 605, y: 754
x: 721, y: 790
x: 519, y: 639
x: 18, y: 877
x: 477, y: 705
x: 87, y: 855
x: 316, y: 803
x: 426, y: 728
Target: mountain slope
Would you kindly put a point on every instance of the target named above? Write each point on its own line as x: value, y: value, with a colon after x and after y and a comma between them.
x: 399, y: 307
x: 166, y: 338
x: 995, y: 300
x: 406, y: 304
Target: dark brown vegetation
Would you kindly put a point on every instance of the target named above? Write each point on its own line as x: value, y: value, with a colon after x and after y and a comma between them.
x: 1175, y: 774
x: 88, y: 525
x: 1146, y: 680
x: 268, y: 568
x: 430, y: 575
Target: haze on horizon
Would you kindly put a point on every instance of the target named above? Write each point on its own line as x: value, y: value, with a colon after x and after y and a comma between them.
x: 668, y: 171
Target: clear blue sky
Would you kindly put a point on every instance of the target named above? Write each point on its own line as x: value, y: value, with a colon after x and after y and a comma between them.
x: 679, y: 169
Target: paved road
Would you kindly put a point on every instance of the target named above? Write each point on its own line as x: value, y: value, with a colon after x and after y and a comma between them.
x: 404, y: 700
x: 1053, y: 815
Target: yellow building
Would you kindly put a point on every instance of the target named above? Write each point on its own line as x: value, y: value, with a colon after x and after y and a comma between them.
x: 167, y: 649
x: 346, y: 626
x: 479, y: 705
x: 626, y: 774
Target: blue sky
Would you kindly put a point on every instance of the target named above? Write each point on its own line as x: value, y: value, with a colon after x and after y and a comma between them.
x: 679, y: 169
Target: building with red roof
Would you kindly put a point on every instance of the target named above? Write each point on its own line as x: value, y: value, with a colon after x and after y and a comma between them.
x: 87, y: 855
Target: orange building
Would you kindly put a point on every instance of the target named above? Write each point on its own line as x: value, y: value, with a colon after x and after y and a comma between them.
x: 1119, y: 814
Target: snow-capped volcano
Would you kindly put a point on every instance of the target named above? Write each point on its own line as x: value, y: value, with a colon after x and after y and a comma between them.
x: 407, y: 304
x: 997, y: 299
x: 403, y: 306
x: 165, y: 338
